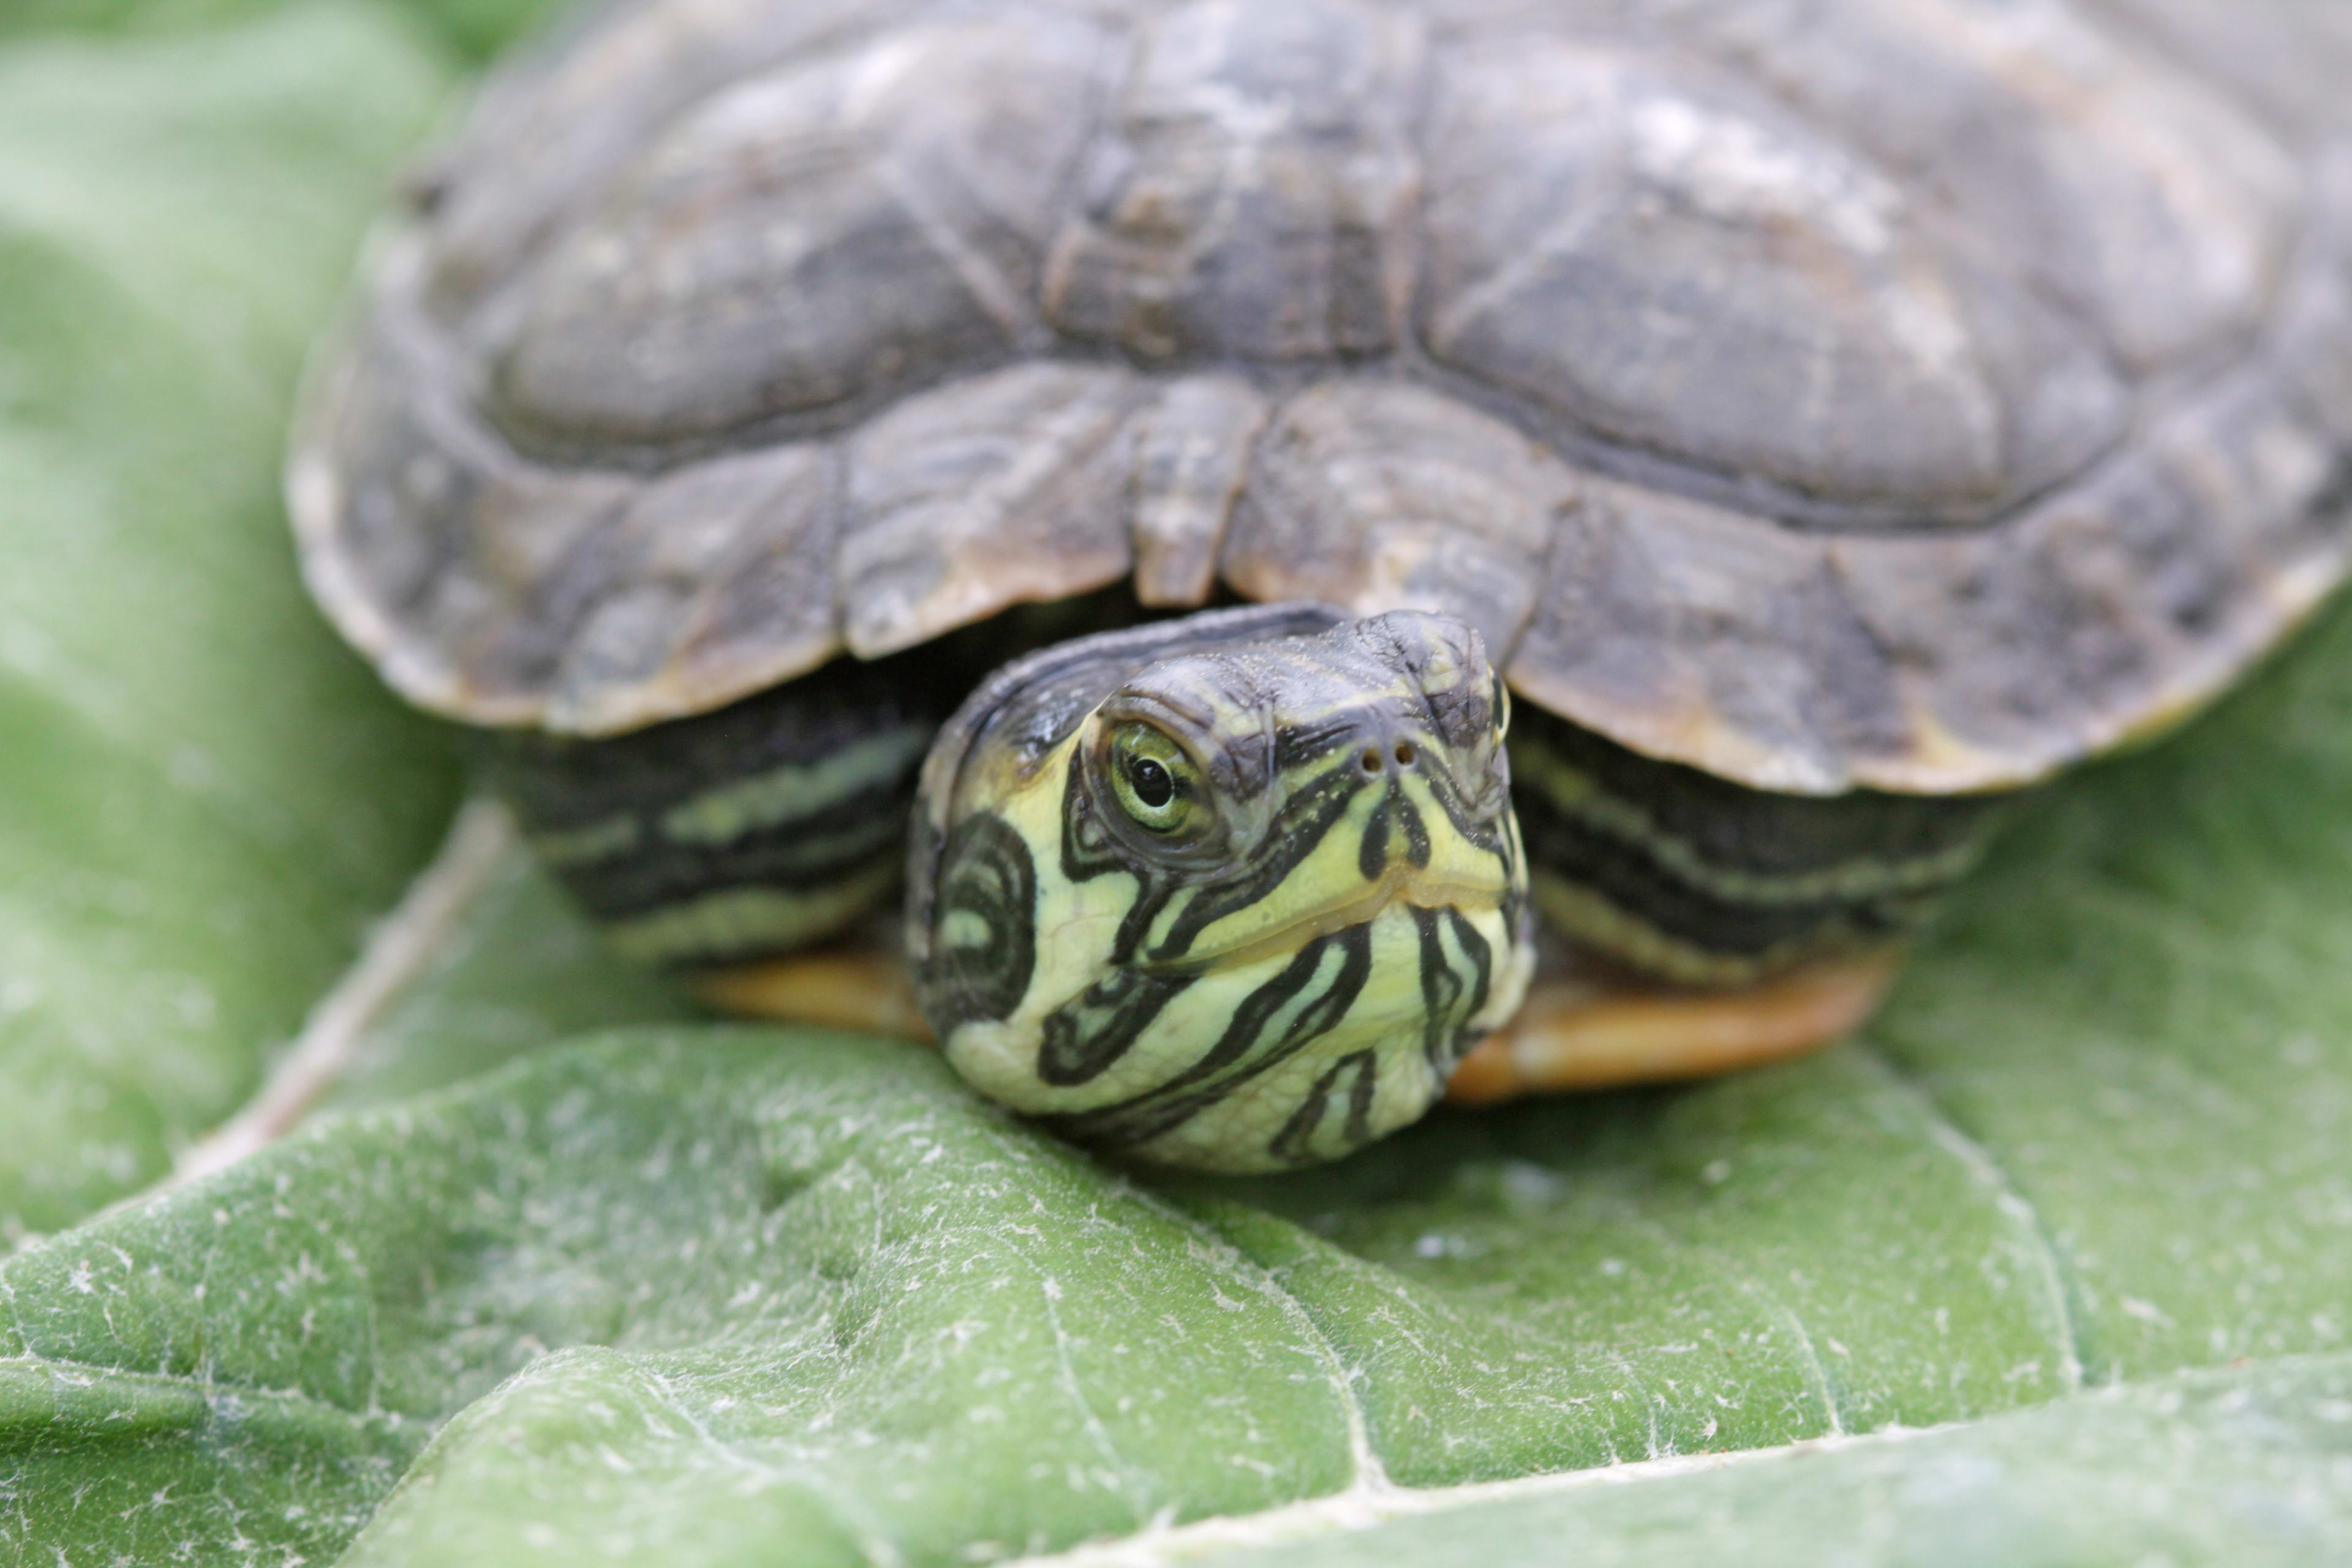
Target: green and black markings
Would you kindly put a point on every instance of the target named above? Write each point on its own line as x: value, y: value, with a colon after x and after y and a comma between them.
x: 769, y: 824
x: 1269, y: 1025
x: 1457, y: 969
x: 1085, y: 1036
x: 1684, y: 876
x: 1150, y: 957
x: 739, y: 833
x: 1350, y: 1084
x: 987, y: 915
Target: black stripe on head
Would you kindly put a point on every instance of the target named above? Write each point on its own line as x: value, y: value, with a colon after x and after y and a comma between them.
x: 1295, y: 1144
x: 983, y: 949
x: 1084, y: 1037
x: 1452, y: 988
x: 1372, y: 858
x: 1306, y: 818
x: 1307, y: 815
x: 1244, y: 1051
x: 1483, y: 833
x: 1301, y: 745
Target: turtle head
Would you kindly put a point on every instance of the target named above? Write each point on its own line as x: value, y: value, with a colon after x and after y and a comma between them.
x: 1235, y: 891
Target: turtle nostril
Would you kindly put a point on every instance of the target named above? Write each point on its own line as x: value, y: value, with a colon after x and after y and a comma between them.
x: 1372, y: 759
x: 1405, y: 753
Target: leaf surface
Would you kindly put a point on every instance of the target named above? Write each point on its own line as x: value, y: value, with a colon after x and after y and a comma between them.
x: 2252, y: 1465
x: 203, y: 799
x: 476, y: 29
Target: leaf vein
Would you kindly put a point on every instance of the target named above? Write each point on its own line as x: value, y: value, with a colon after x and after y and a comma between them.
x: 1369, y: 1475
x: 2049, y: 1264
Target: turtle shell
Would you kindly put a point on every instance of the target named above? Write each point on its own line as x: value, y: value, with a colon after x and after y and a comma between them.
x: 1908, y: 394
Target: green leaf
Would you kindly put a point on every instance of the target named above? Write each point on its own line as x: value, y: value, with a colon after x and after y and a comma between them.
x: 690, y: 1295
x: 813, y: 1262
x: 2248, y: 1467
x: 516, y: 970
x: 477, y: 29
x: 202, y: 799
x: 2143, y: 1015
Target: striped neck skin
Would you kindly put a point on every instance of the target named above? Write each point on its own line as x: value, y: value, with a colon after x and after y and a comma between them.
x: 1235, y: 891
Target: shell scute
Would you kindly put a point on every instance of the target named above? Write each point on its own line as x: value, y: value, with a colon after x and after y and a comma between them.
x: 1248, y: 197
x: 1192, y: 457
x: 1378, y: 495
x: 808, y: 237
x: 1720, y: 283
x: 1682, y: 628
x: 555, y: 123
x: 1006, y: 488
x: 711, y: 571
x: 2142, y: 197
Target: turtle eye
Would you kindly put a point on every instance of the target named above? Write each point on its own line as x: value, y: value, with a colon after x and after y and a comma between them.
x: 1501, y: 697
x: 1156, y: 784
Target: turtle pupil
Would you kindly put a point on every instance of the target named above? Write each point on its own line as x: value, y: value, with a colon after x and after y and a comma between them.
x: 1151, y: 783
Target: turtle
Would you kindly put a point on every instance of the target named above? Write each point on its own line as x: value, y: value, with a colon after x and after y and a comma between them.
x: 1335, y: 548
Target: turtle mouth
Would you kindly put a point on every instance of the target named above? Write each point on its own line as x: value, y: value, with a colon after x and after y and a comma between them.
x: 1428, y: 887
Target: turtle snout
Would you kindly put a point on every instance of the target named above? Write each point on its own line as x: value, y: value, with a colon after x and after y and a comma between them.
x: 1448, y: 722
x: 1394, y: 748
x: 1409, y: 747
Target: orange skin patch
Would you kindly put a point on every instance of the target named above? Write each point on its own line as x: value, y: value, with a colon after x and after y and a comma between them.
x: 1568, y: 1035
x: 840, y: 986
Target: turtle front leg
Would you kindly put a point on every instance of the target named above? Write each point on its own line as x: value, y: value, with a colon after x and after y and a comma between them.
x: 1702, y: 926
x: 1572, y: 1035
